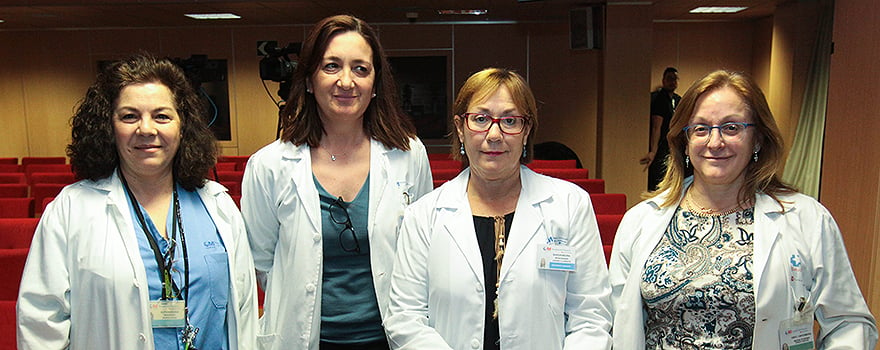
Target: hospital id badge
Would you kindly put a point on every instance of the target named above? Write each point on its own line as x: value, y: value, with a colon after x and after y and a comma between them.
x: 796, y: 334
x: 556, y: 257
x: 168, y: 313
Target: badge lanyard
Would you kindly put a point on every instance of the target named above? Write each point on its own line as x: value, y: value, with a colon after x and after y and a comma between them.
x: 169, y: 288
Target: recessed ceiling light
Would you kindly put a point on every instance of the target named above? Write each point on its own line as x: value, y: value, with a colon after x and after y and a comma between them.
x: 463, y: 12
x: 717, y: 9
x: 212, y: 15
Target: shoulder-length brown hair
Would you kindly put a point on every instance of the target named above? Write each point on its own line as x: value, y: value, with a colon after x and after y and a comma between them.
x: 760, y: 176
x: 480, y: 86
x: 384, y: 120
x: 92, y: 149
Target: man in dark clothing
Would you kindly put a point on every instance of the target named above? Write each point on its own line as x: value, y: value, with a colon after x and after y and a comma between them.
x: 663, y: 103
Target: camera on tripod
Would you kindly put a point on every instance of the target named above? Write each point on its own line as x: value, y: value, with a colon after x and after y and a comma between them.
x: 276, y: 64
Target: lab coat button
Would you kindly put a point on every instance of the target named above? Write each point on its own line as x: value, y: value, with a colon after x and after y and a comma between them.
x: 475, y: 343
x: 310, y: 288
x: 316, y: 237
x: 142, y: 337
x: 479, y: 288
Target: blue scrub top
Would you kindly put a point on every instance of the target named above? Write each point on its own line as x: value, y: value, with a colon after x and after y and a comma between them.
x: 208, y: 275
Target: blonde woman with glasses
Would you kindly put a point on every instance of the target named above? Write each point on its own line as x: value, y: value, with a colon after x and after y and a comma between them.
x: 732, y: 258
x: 499, y: 257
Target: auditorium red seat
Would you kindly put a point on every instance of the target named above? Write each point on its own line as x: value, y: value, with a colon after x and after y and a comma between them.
x: 8, y: 160
x: 17, y: 233
x: 608, y: 224
x: 13, y: 191
x: 223, y: 176
x: 445, y: 164
x: 12, y: 261
x: 52, y: 178
x: 609, y: 203
x: 240, y: 161
x: 45, y: 168
x: 225, y: 166
x: 41, y: 191
x: 13, y: 178
x: 563, y: 173
x: 7, y: 325
x: 16, y: 207
x: 444, y: 174
x: 551, y: 164
x: 590, y: 185
x: 234, y: 187
x: 439, y: 156
x: 42, y: 160
x: 11, y: 168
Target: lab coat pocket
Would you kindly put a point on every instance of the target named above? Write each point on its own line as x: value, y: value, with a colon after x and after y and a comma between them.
x: 218, y: 270
x: 266, y: 341
x: 554, y: 283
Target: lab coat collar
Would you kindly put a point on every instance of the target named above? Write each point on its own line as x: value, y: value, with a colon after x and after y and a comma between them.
x: 528, y: 218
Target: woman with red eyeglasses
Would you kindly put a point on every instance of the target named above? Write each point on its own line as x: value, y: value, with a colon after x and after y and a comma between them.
x: 499, y: 257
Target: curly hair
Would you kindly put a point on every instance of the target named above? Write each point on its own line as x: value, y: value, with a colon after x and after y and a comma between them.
x: 760, y: 176
x: 92, y: 150
x: 479, y: 87
x: 384, y: 119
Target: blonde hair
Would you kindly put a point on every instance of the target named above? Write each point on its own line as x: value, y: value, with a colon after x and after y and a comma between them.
x: 480, y: 86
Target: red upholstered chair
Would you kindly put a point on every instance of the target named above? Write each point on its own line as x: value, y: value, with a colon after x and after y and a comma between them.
x: 608, y: 224
x: 609, y: 203
x: 13, y: 190
x: 42, y: 191
x: 439, y: 156
x: 16, y: 233
x: 16, y: 207
x: 8, y: 160
x: 224, y: 176
x: 225, y: 166
x: 240, y: 161
x: 12, y: 261
x: 64, y: 178
x: 7, y: 325
x: 234, y: 187
x: 553, y: 164
x: 45, y: 168
x: 590, y: 185
x: 13, y: 178
x: 444, y: 174
x: 42, y: 160
x: 11, y: 168
x: 445, y: 164
x: 564, y: 173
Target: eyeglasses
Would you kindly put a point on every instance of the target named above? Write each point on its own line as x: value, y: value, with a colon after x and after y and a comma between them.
x: 511, y: 125
x: 731, y: 131
x: 348, y: 244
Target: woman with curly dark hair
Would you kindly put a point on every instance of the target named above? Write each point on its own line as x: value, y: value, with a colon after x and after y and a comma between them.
x: 143, y: 253
x: 322, y: 203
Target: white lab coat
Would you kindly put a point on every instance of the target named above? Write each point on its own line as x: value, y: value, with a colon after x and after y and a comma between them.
x: 85, y: 286
x: 282, y: 211
x: 804, y: 227
x: 437, y: 287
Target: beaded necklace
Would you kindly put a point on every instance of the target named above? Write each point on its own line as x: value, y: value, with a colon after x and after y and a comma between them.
x: 705, y: 211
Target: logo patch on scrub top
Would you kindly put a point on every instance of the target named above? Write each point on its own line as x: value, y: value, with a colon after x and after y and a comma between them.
x: 211, y: 244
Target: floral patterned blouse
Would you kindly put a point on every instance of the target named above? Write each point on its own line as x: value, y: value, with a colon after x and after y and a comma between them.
x: 697, y: 288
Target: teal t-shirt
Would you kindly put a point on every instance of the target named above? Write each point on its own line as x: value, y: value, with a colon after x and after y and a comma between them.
x: 349, y: 309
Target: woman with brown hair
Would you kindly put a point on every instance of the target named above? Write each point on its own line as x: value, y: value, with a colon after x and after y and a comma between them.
x: 322, y: 204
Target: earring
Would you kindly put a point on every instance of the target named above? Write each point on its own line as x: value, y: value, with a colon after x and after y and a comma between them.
x: 755, y: 156
x: 374, y: 95
x: 462, y: 149
x: 687, y: 161
x: 525, y: 151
